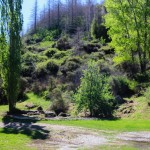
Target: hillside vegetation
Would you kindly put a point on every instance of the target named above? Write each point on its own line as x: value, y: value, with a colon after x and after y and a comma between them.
x: 85, y: 72
x: 52, y: 70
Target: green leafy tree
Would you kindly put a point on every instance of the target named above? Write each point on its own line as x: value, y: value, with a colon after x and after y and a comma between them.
x: 128, y: 24
x: 11, y: 26
x: 94, y: 92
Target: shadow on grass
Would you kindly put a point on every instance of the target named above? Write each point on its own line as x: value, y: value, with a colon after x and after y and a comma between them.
x: 24, y: 126
x: 113, y: 118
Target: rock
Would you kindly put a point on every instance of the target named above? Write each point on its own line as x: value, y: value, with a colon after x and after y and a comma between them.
x: 31, y: 113
x: 128, y: 110
x: 40, y: 110
x: 50, y: 114
x: 30, y: 106
x: 131, y: 101
x: 63, y: 115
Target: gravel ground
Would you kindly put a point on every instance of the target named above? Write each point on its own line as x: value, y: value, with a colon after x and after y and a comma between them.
x: 72, y: 138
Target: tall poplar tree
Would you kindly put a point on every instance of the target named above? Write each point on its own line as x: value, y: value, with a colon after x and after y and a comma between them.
x: 10, y: 44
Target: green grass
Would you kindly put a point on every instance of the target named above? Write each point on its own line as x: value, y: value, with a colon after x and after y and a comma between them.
x: 14, y: 141
x: 46, y: 44
x: 131, y: 124
x: 142, y: 110
x: 114, y: 125
x: 21, y: 140
x: 34, y: 99
x: 3, y: 109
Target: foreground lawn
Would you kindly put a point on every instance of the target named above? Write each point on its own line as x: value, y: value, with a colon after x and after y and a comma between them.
x: 115, y: 125
x: 14, y: 141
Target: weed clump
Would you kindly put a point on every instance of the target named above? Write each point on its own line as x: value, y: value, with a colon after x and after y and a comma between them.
x: 122, y: 86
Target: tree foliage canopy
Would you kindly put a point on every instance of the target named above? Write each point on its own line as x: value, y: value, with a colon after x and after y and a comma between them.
x: 129, y: 24
x: 94, y: 92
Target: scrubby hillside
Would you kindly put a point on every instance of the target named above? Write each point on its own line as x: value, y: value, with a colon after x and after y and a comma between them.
x: 52, y: 70
x: 55, y: 67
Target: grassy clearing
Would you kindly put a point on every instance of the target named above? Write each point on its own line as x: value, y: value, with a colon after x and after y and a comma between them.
x: 114, y: 125
x: 14, y: 141
x: 133, y: 123
x: 36, y: 100
x: 32, y: 99
x: 21, y: 140
x: 3, y: 109
x: 142, y: 110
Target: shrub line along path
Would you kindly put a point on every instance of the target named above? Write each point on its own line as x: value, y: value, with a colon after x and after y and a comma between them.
x: 70, y: 138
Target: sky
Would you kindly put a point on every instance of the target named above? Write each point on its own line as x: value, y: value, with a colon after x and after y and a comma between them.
x: 27, y: 9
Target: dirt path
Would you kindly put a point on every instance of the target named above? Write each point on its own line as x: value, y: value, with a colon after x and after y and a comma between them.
x: 72, y: 138
x: 66, y: 138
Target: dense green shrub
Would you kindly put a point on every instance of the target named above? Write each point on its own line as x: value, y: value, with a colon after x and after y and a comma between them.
x: 41, y: 69
x: 60, y: 55
x: 58, y: 103
x: 47, y: 67
x: 48, y: 94
x: 27, y: 70
x: 91, y: 47
x: 74, y: 79
x: 94, y: 92
x: 42, y: 34
x: 30, y: 40
x: 122, y: 86
x: 52, y: 67
x: 142, y: 77
x: 38, y: 88
x: 99, y: 31
x: 130, y: 68
x: 29, y: 57
x: 29, y: 61
x: 63, y: 43
x: 51, y: 35
x: 75, y: 59
x: 50, y: 52
x: 70, y: 65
